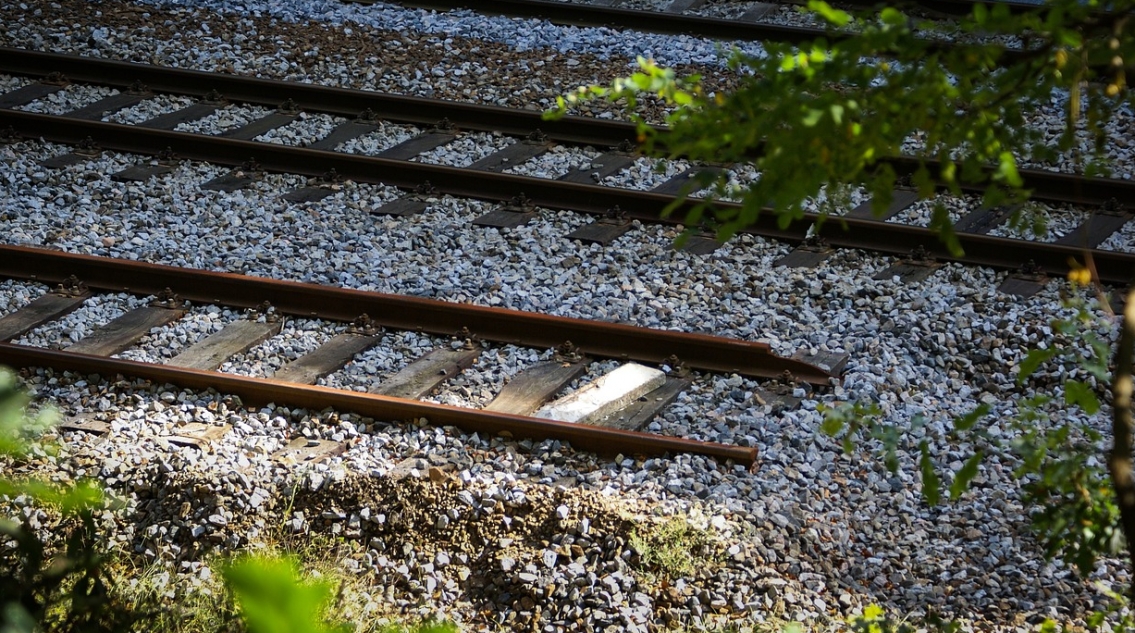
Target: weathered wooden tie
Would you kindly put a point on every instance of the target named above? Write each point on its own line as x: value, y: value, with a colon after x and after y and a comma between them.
x: 758, y: 12
x: 45, y: 308
x: 317, y: 188
x: 121, y: 333
x: 900, y: 200
x: 185, y: 115
x: 687, y: 182
x: 810, y: 253
x: 83, y: 152
x: 344, y: 132
x: 516, y: 212
x: 1026, y: 282
x: 984, y: 220
x: 531, y: 388
x: 264, y: 124
x: 106, y: 105
x: 422, y: 376
x: 236, y: 179
x: 1097, y: 228
x: 511, y: 156
x: 165, y: 162
x: 604, y: 230
x: 600, y: 168
x: 604, y: 396
x: 421, y: 143
x: 27, y: 94
x: 308, y: 451
x: 636, y: 414
x: 917, y: 267
x: 681, y: 6
x: 329, y: 357
x: 236, y: 338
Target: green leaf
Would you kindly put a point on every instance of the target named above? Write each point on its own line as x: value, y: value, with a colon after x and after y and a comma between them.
x: 892, y: 16
x: 1032, y: 362
x: 965, y: 475
x: 835, y: 17
x: 273, y: 598
x: 1007, y: 169
x: 931, y: 487
x: 980, y: 14
x: 812, y: 117
x: 1082, y: 395
x: 967, y: 421
x: 832, y: 425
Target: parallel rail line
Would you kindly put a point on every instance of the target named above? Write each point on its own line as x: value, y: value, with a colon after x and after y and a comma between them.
x: 675, y: 20
x: 594, y: 339
x: 858, y: 230
x: 576, y: 130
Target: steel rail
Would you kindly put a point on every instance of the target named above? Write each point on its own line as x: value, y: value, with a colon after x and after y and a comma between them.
x: 1045, y: 185
x: 255, y: 391
x: 315, y: 98
x: 582, y: 14
x: 897, y: 239
x: 597, y: 338
x: 579, y: 14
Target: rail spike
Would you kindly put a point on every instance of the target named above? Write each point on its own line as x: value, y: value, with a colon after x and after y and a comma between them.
x: 469, y: 339
x: 266, y: 310
x: 289, y: 106
x: 367, y: 116
x: 567, y: 352
x: 364, y: 325
x: 138, y: 88
x: 519, y: 202
x: 71, y: 287
x: 678, y: 369
x: 250, y: 166
x: 921, y: 255
x: 1032, y: 270
x: 615, y: 215
x: 168, y: 299
x: 785, y: 384
x: 56, y: 79
x: 168, y: 157
x: 88, y: 147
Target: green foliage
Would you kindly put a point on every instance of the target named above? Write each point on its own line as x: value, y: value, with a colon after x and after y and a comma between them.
x: 273, y: 598
x: 875, y: 620
x: 673, y: 549
x: 67, y: 590
x: 1061, y: 476
x: 820, y: 116
x: 858, y: 419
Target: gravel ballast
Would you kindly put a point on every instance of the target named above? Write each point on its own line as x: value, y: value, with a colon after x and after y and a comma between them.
x: 507, y: 533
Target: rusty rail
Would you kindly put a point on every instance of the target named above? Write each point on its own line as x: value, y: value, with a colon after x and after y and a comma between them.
x: 1045, y: 185
x: 609, y: 340
x: 262, y: 391
x: 897, y: 239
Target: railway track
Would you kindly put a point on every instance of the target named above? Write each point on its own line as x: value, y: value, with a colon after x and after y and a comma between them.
x: 929, y: 349
x: 519, y: 195
x: 607, y: 427
x: 679, y: 17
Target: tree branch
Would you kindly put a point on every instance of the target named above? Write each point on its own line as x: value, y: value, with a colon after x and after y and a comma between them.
x: 1120, y: 461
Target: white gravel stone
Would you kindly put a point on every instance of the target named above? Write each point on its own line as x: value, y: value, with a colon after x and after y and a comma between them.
x: 931, y: 349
